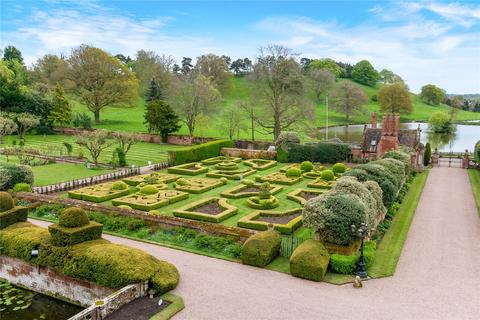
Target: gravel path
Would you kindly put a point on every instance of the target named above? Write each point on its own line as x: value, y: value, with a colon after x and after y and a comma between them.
x: 438, y: 276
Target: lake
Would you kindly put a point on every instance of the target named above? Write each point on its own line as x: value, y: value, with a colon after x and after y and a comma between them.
x: 464, y: 137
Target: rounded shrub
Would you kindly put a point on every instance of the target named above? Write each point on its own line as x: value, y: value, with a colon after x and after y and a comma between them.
x: 327, y: 175
x: 285, y: 139
x: 360, y: 174
x: 6, y: 201
x: 181, y: 182
x: 264, y: 192
x: 396, y: 167
x: 293, y: 172
x: 124, y: 206
x: 402, y: 156
x: 310, y: 261
x: 22, y: 187
x: 261, y: 248
x: 73, y: 217
x: 149, y: 189
x: 11, y: 174
x: 119, y: 185
x: 339, y: 168
x: 224, y: 180
x: 248, y: 182
x: 306, y: 166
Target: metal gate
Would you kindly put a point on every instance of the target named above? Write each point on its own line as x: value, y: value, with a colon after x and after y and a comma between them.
x: 451, y: 159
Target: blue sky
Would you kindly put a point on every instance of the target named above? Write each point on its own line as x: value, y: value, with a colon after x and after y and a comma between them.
x: 423, y: 41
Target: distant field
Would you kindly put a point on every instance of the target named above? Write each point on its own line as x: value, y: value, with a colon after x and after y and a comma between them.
x: 131, y: 119
x: 138, y: 155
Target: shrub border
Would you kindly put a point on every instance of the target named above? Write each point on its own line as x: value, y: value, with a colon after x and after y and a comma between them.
x: 294, y: 195
x: 284, y: 182
x: 180, y: 169
x: 236, y: 176
x: 267, y: 164
x: 188, y: 212
x: 216, y: 160
x: 161, y: 203
x: 249, y: 222
x: 202, y: 190
x: 229, y: 193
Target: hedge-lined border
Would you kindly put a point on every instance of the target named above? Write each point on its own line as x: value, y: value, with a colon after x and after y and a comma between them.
x: 235, y: 192
x: 162, y: 201
x: 321, y: 184
x: 162, y: 177
x: 176, y: 305
x: 294, y: 195
x: 312, y: 174
x: 193, y: 189
x: 286, y: 180
x: 249, y: 221
x: 189, y: 212
x: 228, y: 174
x: 198, y: 152
x: 267, y: 164
x: 92, y: 197
x: 181, y: 169
x: 216, y: 160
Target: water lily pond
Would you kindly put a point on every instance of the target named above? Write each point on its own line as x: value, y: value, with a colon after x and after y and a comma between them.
x: 20, y: 304
x: 464, y: 137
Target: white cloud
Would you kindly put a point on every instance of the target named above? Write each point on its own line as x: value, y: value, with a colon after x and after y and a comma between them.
x: 463, y: 14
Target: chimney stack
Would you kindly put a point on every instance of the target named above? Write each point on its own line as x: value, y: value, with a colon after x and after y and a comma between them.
x: 374, y: 120
x: 389, y: 138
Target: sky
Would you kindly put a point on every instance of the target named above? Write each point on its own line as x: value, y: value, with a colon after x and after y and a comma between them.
x: 423, y: 41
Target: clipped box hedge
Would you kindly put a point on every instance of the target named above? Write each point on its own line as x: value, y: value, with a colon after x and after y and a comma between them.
x: 319, y: 152
x: 261, y: 248
x: 347, y: 264
x: 198, y: 185
x: 98, y: 193
x: 295, y: 195
x: 279, y: 178
x: 158, y: 177
x: 230, y: 174
x: 189, y: 212
x: 64, y: 236
x: 260, y: 164
x: 250, y: 221
x: 321, y: 184
x: 237, y: 191
x: 216, y: 160
x: 310, y: 261
x: 199, y: 152
x: 189, y: 169
x: 151, y: 202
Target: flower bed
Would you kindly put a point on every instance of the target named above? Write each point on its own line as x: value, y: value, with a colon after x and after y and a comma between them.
x: 303, y: 195
x: 151, y: 178
x: 230, y: 174
x: 215, y: 160
x: 244, y: 191
x: 197, y: 185
x: 210, y: 209
x: 322, y: 184
x: 144, y: 202
x: 190, y: 169
x: 279, y: 178
x: 98, y: 193
x: 260, y: 164
x: 285, y: 222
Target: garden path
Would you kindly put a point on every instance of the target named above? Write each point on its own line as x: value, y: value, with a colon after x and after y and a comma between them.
x: 438, y: 275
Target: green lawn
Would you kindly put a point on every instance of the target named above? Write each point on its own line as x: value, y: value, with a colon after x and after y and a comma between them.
x: 131, y: 118
x: 475, y: 182
x: 390, y: 248
x: 138, y: 155
x: 61, y: 172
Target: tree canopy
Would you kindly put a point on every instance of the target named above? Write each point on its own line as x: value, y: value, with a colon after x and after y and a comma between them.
x: 395, y: 98
x: 432, y: 94
x: 363, y: 72
x: 348, y: 98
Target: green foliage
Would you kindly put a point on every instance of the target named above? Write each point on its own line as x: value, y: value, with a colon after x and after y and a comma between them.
x: 149, y: 189
x: 119, y: 185
x: 363, y: 72
x: 199, y: 152
x: 293, y: 172
x: 161, y: 118
x: 68, y: 236
x: 61, y: 113
x: 427, y: 154
x: 261, y: 248
x: 310, y: 261
x: 6, y: 201
x: 82, y: 120
x: 440, y: 122
x: 282, y: 155
x: 121, y: 157
x: 402, y: 156
x: 286, y: 138
x: 22, y: 187
x: 154, y: 92
x: 395, y: 98
x: 432, y: 94
x: 327, y: 175
x: 348, y: 264
x: 73, y: 217
x: 326, y: 64
x: 68, y: 146
x: 11, y: 174
x: 339, y: 168
x: 318, y: 152
x: 476, y: 152
x: 387, y: 182
x: 306, y: 166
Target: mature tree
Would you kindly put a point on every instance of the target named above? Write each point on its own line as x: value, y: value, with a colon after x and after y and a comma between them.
x: 95, y: 142
x: 11, y: 53
x: 187, y: 66
x: 321, y: 80
x: 227, y: 59
x: 348, y: 98
x: 25, y: 121
x: 61, y: 112
x: 160, y: 118
x: 395, y: 98
x: 49, y: 70
x: 148, y: 65
x: 216, y: 69
x: 304, y: 63
x: 101, y: 80
x: 7, y: 126
x: 126, y: 140
x: 457, y: 102
x: 432, y: 94
x: 123, y: 59
x: 363, y: 72
x: 280, y: 86
x: 440, y: 122
x: 154, y: 92
x: 325, y: 64
x: 176, y: 69
x: 247, y: 65
x: 237, y: 66
x: 249, y: 108
x: 347, y: 69
x: 193, y: 98
x: 388, y: 77
x: 231, y: 121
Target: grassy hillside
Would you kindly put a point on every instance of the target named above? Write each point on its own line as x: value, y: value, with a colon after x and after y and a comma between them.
x: 131, y: 119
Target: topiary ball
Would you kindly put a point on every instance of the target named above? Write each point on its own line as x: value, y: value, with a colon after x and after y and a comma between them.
x: 339, y: 168
x: 306, y: 166
x: 149, y: 190
x: 119, y: 185
x: 293, y: 172
x: 22, y: 187
x: 248, y: 182
x: 224, y: 180
x: 327, y: 175
x: 73, y: 217
x: 181, y: 182
x: 6, y: 201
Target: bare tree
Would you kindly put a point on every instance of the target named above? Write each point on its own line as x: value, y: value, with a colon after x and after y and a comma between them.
x: 216, y: 69
x: 321, y: 80
x: 231, y: 121
x: 348, y: 98
x: 95, y: 142
x: 125, y: 140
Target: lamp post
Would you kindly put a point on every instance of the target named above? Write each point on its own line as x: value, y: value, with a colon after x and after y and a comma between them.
x: 361, y: 232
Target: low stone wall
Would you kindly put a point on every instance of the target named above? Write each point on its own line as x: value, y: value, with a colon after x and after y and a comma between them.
x: 258, y: 145
x: 248, y: 153
x: 47, y: 281
x: 187, y: 140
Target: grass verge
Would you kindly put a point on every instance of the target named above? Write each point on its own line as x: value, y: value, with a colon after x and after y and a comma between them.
x: 176, y: 305
x: 474, y: 176
x: 390, y: 248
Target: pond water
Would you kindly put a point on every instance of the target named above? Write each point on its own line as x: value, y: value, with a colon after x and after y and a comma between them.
x: 464, y: 137
x: 20, y: 304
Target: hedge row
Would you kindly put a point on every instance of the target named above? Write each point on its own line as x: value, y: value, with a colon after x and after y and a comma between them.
x: 199, y: 152
x: 319, y: 152
x: 310, y: 261
x: 348, y: 264
x: 261, y: 248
